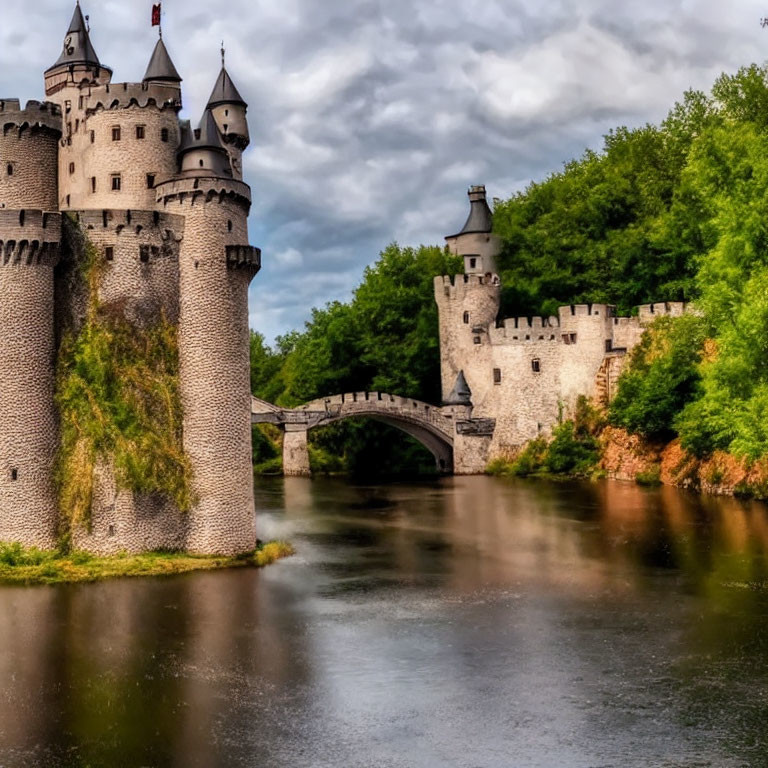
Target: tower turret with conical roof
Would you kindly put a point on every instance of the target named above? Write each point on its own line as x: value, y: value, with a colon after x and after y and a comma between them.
x: 202, y: 151
x: 161, y: 68
x: 476, y: 241
x: 230, y: 112
x: 77, y: 62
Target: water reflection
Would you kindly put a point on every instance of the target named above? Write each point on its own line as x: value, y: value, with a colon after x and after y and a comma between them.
x: 465, y: 621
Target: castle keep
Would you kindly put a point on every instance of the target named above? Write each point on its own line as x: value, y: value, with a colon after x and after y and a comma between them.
x: 165, y: 208
x: 524, y: 372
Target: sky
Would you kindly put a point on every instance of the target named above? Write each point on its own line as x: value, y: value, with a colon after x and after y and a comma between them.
x: 369, y: 119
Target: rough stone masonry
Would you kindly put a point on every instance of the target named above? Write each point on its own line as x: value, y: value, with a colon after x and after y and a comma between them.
x: 166, y: 209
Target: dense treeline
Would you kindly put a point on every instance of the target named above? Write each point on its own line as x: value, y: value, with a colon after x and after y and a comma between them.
x: 677, y: 211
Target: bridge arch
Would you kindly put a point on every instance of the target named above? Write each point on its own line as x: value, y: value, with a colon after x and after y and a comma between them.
x: 422, y: 421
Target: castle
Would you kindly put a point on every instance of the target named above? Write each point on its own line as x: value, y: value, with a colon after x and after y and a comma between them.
x: 166, y: 209
x: 526, y: 373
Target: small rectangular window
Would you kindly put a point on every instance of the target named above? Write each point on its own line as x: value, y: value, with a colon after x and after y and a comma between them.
x: 139, y: 131
x: 115, y: 133
x: 93, y: 137
x: 466, y: 317
x: 93, y: 183
x: 608, y: 345
x: 71, y: 168
x: 80, y: 102
x: 472, y: 263
x: 14, y: 474
x: 116, y: 182
x: 536, y: 365
x: 477, y: 340
x: 497, y: 375
x: 68, y: 200
x: 573, y: 338
x: 150, y: 180
x: 109, y: 253
x: 144, y: 253
x: 164, y: 134
x: 9, y: 169
x: 67, y: 106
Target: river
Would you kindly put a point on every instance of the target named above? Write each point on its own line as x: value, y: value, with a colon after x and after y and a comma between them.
x: 469, y: 622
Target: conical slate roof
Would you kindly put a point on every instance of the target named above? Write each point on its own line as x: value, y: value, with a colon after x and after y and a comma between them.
x: 461, y: 394
x: 480, y: 216
x: 225, y: 92
x: 206, y: 136
x: 160, y: 66
x: 77, y: 43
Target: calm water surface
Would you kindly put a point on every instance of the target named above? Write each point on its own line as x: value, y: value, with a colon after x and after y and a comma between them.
x: 468, y: 622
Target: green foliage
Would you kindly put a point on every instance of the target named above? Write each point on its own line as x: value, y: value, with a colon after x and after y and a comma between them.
x: 117, y: 391
x: 661, y: 378
x: 650, y: 477
x: 28, y: 565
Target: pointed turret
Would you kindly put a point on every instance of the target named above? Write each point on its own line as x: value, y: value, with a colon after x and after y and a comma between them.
x: 476, y: 241
x: 77, y: 64
x: 202, y: 151
x: 230, y: 110
x: 225, y: 91
x: 78, y: 48
x: 461, y: 394
x: 161, y: 68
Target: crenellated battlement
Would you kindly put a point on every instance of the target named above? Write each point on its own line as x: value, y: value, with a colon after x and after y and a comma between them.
x: 208, y: 188
x: 244, y: 257
x: 124, y: 95
x: 457, y: 287
x: 26, y: 221
x: 116, y: 220
x: 29, y: 237
x: 649, y: 312
x: 36, y: 114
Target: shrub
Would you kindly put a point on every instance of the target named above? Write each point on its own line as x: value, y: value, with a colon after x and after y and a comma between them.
x: 650, y: 477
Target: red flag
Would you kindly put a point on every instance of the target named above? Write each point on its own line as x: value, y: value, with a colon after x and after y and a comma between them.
x: 156, y: 15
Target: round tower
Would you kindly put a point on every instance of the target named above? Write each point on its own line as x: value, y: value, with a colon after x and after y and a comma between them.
x: 216, y: 267
x: 230, y: 113
x: 29, y: 250
x: 202, y: 151
x: 468, y: 304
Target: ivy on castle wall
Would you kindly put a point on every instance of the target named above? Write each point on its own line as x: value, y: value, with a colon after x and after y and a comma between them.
x: 117, y: 392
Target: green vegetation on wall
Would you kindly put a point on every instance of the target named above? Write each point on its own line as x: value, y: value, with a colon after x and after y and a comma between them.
x: 117, y: 390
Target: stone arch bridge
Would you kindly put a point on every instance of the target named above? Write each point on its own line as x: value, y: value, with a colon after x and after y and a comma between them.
x: 444, y: 431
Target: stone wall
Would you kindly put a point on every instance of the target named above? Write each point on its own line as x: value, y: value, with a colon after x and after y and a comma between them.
x: 29, y: 246
x: 29, y: 155
x: 214, y: 359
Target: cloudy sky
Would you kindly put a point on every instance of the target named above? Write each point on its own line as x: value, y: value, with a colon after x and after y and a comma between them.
x: 370, y: 118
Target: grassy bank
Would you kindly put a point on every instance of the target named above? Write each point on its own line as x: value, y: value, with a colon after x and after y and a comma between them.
x: 22, y: 565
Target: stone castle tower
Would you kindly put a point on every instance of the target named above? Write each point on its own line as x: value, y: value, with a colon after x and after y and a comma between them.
x: 165, y: 206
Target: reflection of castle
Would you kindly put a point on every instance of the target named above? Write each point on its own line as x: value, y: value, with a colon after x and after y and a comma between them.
x: 166, y: 209
x: 523, y: 371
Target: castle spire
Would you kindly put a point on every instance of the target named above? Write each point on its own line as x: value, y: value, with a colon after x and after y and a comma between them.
x: 480, y: 218
x: 78, y: 48
x: 161, y: 68
x: 225, y: 92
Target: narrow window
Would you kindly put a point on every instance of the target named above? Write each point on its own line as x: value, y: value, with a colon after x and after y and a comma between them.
x: 497, y: 375
x: 225, y: 127
x: 93, y: 184
x: 80, y: 102
x: 226, y: 113
x: 93, y: 137
x: 201, y: 163
x: 566, y: 338
x: 150, y: 180
x: 116, y: 182
x: 71, y: 168
x: 466, y: 318
x: 77, y: 125
x: 164, y: 134
x: 139, y: 131
x: 608, y: 345
x: 536, y: 365
x: 109, y: 253
x: 14, y: 474
x: 67, y: 106
x: 229, y: 225
x: 115, y: 133
x: 472, y: 263
x: 573, y: 338
x: 144, y: 253
x: 10, y: 169
x: 68, y: 198
x: 111, y: 530
x: 69, y: 131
